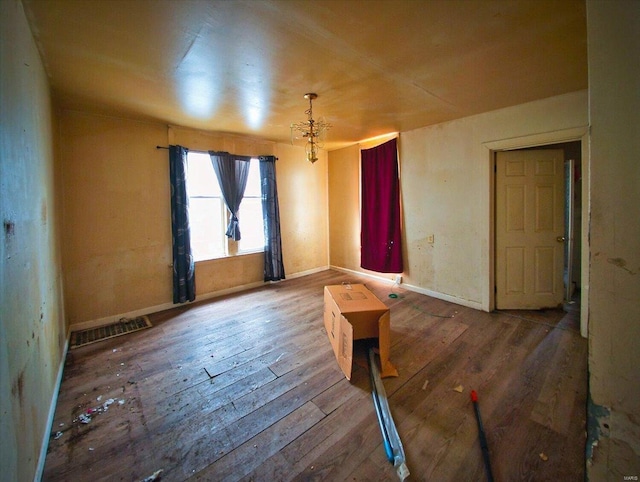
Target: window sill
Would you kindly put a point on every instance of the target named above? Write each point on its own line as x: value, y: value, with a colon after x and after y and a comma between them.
x: 227, y: 256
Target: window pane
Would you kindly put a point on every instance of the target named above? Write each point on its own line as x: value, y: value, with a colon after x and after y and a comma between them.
x: 201, y: 178
x: 253, y: 180
x: 251, y: 225
x: 207, y: 229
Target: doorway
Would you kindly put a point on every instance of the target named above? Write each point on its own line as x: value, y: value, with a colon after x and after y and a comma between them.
x: 538, y: 221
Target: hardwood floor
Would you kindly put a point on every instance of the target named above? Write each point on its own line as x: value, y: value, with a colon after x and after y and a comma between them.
x: 246, y: 387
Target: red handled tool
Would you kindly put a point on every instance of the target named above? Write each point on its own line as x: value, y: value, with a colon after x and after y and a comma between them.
x: 483, y: 438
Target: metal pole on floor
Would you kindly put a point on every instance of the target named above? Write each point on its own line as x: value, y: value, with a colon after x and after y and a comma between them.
x: 391, y: 439
x: 483, y: 438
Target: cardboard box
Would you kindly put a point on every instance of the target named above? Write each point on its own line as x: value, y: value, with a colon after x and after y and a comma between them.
x: 352, y: 312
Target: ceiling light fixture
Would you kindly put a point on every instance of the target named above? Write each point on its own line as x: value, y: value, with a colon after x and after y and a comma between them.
x: 314, y: 131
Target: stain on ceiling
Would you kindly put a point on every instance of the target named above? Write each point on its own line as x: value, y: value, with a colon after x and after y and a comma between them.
x: 243, y: 66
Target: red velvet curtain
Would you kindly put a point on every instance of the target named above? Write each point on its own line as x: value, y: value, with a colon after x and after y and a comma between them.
x: 381, y: 248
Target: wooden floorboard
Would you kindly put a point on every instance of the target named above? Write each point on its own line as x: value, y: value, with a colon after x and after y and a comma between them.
x: 245, y: 387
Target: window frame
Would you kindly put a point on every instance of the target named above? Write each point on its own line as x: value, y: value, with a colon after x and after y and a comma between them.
x: 230, y: 247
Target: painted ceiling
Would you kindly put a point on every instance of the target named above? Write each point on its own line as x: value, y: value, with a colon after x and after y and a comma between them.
x: 243, y: 66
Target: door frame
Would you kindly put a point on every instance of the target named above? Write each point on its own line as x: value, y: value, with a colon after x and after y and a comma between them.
x: 556, y: 137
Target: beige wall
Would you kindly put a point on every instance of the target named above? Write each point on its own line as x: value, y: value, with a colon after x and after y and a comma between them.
x: 117, y: 231
x: 303, y: 199
x: 117, y: 242
x: 445, y: 173
x: 614, y: 302
x: 344, y: 207
x: 32, y: 327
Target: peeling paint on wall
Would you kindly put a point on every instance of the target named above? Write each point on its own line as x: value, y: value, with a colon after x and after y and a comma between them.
x: 598, y: 426
x: 9, y: 228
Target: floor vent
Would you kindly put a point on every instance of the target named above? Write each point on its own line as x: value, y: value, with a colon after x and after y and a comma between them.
x: 121, y: 327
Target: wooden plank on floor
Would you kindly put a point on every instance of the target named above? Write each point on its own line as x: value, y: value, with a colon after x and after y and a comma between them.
x: 554, y: 403
x: 244, y: 459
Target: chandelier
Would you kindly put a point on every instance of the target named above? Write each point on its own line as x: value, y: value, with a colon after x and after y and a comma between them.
x: 314, y: 131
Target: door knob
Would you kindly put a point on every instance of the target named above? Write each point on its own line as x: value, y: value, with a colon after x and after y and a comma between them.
x: 560, y: 239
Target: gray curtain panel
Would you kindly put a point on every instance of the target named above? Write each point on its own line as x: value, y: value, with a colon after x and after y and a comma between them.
x: 232, y: 172
x: 184, y: 276
x: 273, y: 263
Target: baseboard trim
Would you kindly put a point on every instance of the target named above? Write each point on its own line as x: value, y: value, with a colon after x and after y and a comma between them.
x: 107, y: 320
x: 300, y: 274
x: 52, y: 413
x: 476, y: 305
x: 366, y: 275
x: 417, y: 289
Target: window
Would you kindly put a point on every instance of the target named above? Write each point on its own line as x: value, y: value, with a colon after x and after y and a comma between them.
x: 209, y: 217
x: 250, y: 215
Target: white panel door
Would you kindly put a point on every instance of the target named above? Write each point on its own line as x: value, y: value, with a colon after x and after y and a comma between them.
x: 529, y: 229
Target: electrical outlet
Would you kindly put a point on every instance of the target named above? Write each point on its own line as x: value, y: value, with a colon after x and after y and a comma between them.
x: 431, y: 239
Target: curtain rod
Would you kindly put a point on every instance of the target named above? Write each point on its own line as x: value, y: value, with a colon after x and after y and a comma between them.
x: 192, y: 150
x: 202, y: 152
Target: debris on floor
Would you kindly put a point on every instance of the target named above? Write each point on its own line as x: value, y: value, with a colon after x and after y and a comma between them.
x: 155, y: 476
x: 85, y: 417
